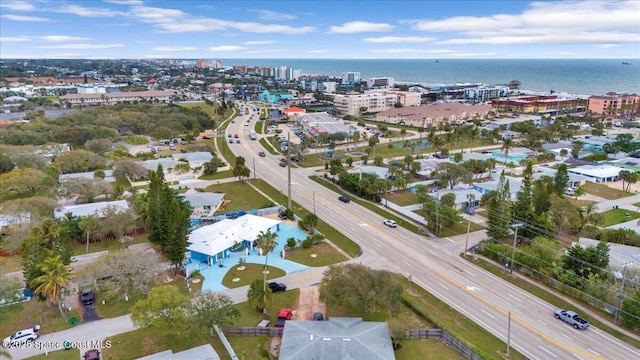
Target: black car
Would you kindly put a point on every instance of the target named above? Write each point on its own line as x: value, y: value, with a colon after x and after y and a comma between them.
x: 277, y: 287
x: 262, y: 154
x: 87, y: 297
x: 318, y: 316
x: 344, y: 199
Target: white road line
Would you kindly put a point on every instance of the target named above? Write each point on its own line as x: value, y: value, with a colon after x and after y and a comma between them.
x: 549, y: 352
x: 439, y: 283
x: 449, y: 240
x: 376, y: 244
x: 432, y: 252
x: 577, y: 357
x: 514, y: 297
x: 469, y: 273
x: 489, y: 315
x: 406, y: 263
x: 567, y: 336
x: 542, y: 322
x: 593, y: 352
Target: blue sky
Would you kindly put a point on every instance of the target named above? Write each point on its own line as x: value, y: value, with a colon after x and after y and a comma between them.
x: 415, y: 29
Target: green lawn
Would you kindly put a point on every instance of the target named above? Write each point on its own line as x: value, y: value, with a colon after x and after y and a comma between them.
x: 10, y: 264
x: 403, y: 197
x: 617, y: 216
x: 241, y: 196
x: 336, y: 237
x: 459, y: 229
x: 325, y: 255
x: 24, y: 315
x: 604, y: 191
x: 248, y: 274
x: 267, y: 145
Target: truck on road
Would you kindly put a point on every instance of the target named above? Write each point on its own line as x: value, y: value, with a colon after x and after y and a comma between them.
x: 253, y: 135
x: 572, y: 319
x: 283, y: 315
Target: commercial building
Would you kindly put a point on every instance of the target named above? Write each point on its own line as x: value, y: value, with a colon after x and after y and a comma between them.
x: 118, y: 97
x: 374, y: 101
x: 612, y: 103
x: 551, y: 104
x: 322, y: 123
x: 433, y: 115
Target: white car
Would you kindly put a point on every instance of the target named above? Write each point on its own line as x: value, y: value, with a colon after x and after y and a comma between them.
x: 21, y: 337
x: 390, y: 223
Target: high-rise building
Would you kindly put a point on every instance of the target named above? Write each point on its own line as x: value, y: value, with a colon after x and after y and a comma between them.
x: 380, y: 83
x: 202, y: 64
x: 351, y: 78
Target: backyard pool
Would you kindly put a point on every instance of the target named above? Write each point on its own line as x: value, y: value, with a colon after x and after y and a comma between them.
x: 213, y: 274
x: 513, y: 158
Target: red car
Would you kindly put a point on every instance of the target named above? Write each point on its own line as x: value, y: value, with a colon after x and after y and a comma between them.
x: 206, y: 137
x: 235, y: 136
x: 283, y: 315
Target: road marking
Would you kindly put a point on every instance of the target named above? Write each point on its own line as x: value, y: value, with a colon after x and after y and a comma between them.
x: 439, y: 283
x: 406, y: 263
x: 432, y: 252
x: 489, y: 315
x: 542, y: 322
x: 449, y: 240
x: 521, y: 322
x: 593, y: 352
x: 376, y: 244
x: 567, y: 336
x: 363, y: 225
x: 550, y: 353
x: 515, y: 298
x: 577, y: 356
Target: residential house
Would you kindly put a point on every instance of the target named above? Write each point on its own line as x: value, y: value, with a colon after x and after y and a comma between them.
x: 202, y: 352
x: 464, y: 197
x: 203, y: 203
x: 336, y: 338
x: 97, y: 209
x: 515, y: 185
x: 212, y: 243
x: 108, y: 176
x: 597, y: 173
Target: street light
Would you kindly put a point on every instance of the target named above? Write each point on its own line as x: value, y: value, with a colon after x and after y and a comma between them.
x: 466, y: 242
x: 621, y: 294
x: 509, y: 333
x: 513, y: 249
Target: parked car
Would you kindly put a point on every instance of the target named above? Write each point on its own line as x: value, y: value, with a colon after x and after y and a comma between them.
x: 318, y: 316
x: 93, y: 354
x: 206, y: 137
x: 390, y: 223
x: 87, y: 297
x: 262, y: 154
x: 21, y: 337
x: 237, y: 141
x: 283, y: 315
x: 277, y: 287
x: 470, y: 211
x: 184, y: 151
x: 282, y: 164
x: 344, y: 199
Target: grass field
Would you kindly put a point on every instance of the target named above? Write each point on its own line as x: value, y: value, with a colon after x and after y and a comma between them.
x: 241, y: 196
x: 325, y: 255
x: 248, y: 274
x: 617, y: 216
x: 24, y: 315
x: 403, y: 197
x: 604, y: 191
x: 267, y: 145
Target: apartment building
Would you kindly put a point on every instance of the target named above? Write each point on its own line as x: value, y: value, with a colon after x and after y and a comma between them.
x: 118, y: 97
x: 374, y: 101
x: 613, y: 103
x: 485, y: 93
x: 351, y: 78
x: 380, y: 83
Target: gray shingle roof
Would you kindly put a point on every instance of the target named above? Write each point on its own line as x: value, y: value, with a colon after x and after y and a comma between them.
x: 337, y: 338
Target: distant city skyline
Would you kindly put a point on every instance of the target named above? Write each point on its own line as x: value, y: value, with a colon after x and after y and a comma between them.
x: 114, y: 29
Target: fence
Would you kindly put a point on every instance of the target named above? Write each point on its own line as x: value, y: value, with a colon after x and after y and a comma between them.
x: 253, y: 331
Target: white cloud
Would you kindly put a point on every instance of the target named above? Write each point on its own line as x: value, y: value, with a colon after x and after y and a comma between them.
x: 173, y: 48
x: 82, y: 46
x: 14, y: 39
x: 46, y: 56
x: 399, y: 39
x: 397, y: 51
x: 62, y: 38
x: 157, y: 56
x: 125, y: 2
x: 557, y: 22
x: 86, y: 11
x: 318, y: 51
x: 608, y: 46
x: 227, y: 48
x: 20, y: 5
x: 274, y: 16
x: 360, y: 27
x: 264, y: 42
x: 177, y: 21
x: 25, y: 18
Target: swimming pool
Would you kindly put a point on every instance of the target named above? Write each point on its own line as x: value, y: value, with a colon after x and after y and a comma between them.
x: 513, y: 158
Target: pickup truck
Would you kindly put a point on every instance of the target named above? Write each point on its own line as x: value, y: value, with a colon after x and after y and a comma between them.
x: 572, y: 319
x: 283, y: 315
x: 277, y: 287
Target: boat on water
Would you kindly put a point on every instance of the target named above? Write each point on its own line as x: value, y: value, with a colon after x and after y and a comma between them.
x: 626, y: 63
x: 437, y: 61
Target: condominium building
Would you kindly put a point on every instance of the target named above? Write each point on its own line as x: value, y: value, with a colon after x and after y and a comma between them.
x: 380, y: 83
x: 351, y: 78
x: 374, y: 101
x: 613, y: 103
x: 97, y: 88
x: 118, y: 97
x: 485, y: 93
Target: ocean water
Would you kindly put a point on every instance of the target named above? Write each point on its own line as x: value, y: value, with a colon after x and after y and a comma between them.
x: 572, y: 76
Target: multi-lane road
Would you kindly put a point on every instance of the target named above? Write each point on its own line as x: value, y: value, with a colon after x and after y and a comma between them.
x: 475, y: 293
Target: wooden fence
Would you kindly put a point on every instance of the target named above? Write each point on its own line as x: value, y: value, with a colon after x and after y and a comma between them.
x: 253, y: 331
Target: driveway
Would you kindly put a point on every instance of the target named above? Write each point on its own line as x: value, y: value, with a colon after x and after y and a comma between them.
x: 89, y: 313
x: 309, y: 303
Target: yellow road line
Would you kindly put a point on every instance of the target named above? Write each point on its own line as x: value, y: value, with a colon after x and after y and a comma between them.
x: 504, y: 312
x: 307, y: 278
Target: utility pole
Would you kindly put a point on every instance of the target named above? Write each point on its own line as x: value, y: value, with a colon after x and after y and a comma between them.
x: 513, y: 249
x: 288, y: 171
x: 621, y: 294
x: 466, y: 242
x: 254, y: 168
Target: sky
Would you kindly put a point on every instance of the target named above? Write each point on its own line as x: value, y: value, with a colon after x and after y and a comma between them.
x: 418, y: 29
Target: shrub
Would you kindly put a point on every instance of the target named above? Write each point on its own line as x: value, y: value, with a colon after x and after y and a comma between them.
x: 291, y: 242
x: 307, y: 243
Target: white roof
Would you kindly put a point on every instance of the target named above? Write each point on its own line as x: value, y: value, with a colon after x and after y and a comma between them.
x: 381, y: 171
x: 194, y: 156
x: 599, y: 171
x: 461, y: 194
x: 217, y: 237
x: 91, y: 208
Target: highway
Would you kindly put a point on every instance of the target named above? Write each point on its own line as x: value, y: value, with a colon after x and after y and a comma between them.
x: 475, y: 293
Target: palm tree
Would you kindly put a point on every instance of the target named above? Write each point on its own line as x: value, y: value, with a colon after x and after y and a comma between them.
x: 506, y: 145
x: 563, y: 153
x: 88, y: 224
x: 266, y: 242
x: 579, y: 191
x: 56, y: 276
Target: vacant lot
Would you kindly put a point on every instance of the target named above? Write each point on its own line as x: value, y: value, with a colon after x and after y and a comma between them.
x: 617, y: 216
x: 240, y: 195
x: 604, y: 191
